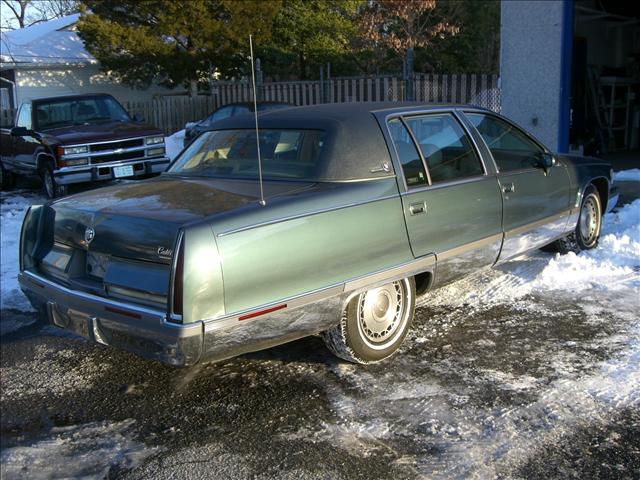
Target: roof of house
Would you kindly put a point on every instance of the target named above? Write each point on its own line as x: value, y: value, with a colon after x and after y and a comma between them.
x: 52, y: 43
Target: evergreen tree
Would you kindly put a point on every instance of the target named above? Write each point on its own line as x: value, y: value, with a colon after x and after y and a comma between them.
x: 173, y: 43
x: 308, y: 33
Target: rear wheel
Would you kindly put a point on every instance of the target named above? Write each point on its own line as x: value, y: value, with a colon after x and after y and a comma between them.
x: 374, y: 324
x: 587, y: 232
x: 7, y: 178
x: 51, y: 187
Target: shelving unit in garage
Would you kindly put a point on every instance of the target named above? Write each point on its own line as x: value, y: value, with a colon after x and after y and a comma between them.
x: 612, y: 98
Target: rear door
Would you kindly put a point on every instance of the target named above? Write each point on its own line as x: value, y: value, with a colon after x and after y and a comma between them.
x: 452, y: 202
x: 536, y: 201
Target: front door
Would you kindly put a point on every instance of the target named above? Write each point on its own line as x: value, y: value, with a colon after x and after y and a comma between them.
x: 536, y: 200
x: 452, y: 203
x: 24, y: 147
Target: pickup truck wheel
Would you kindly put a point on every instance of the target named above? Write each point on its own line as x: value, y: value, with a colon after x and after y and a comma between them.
x: 7, y: 179
x: 587, y: 232
x: 51, y: 188
x: 374, y: 324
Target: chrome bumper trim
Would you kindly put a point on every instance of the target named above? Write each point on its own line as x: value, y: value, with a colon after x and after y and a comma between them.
x: 135, y: 328
x: 89, y: 173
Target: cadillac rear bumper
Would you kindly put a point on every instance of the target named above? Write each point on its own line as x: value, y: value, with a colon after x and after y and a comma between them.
x: 146, y: 332
x: 97, y: 172
x: 137, y: 329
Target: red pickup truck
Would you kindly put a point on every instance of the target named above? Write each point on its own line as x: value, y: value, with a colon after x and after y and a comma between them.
x: 76, y: 139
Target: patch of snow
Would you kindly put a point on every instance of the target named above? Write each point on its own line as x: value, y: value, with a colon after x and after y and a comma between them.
x: 474, y: 439
x: 12, y: 210
x: 90, y: 451
x: 632, y: 175
x: 174, y: 144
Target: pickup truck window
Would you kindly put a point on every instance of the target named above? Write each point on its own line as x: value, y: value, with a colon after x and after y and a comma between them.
x: 412, y: 165
x: 285, y: 154
x: 445, y: 147
x: 24, y: 116
x: 511, y: 148
x: 78, y: 111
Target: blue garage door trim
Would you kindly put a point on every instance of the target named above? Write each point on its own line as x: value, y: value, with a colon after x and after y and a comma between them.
x: 565, y: 79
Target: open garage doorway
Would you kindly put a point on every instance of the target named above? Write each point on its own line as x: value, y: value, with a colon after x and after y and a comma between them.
x: 605, y: 98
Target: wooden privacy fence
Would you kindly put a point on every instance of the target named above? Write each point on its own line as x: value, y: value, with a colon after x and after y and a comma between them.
x: 478, y: 90
x: 170, y: 114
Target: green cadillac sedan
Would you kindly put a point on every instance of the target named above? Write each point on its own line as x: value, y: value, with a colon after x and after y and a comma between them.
x: 361, y: 207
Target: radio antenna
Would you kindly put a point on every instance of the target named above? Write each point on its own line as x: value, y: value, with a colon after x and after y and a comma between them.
x: 255, y: 115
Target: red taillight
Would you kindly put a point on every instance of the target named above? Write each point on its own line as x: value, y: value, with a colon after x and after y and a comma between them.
x: 178, y: 279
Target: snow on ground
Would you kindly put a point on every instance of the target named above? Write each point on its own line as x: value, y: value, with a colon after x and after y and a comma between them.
x: 627, y: 175
x: 173, y: 144
x: 578, y: 362
x: 91, y: 451
x: 12, y: 210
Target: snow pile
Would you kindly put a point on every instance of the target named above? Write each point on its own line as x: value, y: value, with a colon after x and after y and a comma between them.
x: 632, y: 175
x: 613, y: 265
x: 174, y: 143
x: 94, y: 450
x: 12, y: 210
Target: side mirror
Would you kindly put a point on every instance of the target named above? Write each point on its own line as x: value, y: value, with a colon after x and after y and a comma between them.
x: 20, y: 131
x: 138, y: 117
x: 546, y: 161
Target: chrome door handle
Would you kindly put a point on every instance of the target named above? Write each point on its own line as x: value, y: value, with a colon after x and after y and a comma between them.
x: 509, y: 188
x: 418, y: 208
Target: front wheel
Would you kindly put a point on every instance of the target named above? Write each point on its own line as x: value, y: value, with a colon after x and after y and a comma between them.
x: 374, y: 324
x: 51, y: 187
x: 587, y: 232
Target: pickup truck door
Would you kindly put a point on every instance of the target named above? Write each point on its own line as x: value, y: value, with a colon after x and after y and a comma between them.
x: 6, y: 148
x: 536, y: 200
x: 452, y: 204
x: 24, y: 147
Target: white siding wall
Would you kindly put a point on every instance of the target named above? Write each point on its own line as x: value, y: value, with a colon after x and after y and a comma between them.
x: 76, y: 80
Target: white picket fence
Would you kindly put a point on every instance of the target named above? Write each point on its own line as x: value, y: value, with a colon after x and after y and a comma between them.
x: 171, y: 113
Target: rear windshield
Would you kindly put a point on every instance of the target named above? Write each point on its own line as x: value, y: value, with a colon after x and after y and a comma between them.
x: 78, y: 111
x: 285, y: 154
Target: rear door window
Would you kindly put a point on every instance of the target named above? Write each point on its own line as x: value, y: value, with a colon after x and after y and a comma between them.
x: 412, y: 166
x: 445, y: 146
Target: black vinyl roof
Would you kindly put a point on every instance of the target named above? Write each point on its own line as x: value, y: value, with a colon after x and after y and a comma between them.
x: 354, y: 143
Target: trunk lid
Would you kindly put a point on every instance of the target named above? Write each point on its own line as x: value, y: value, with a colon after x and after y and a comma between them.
x: 118, y: 241
x: 141, y: 220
